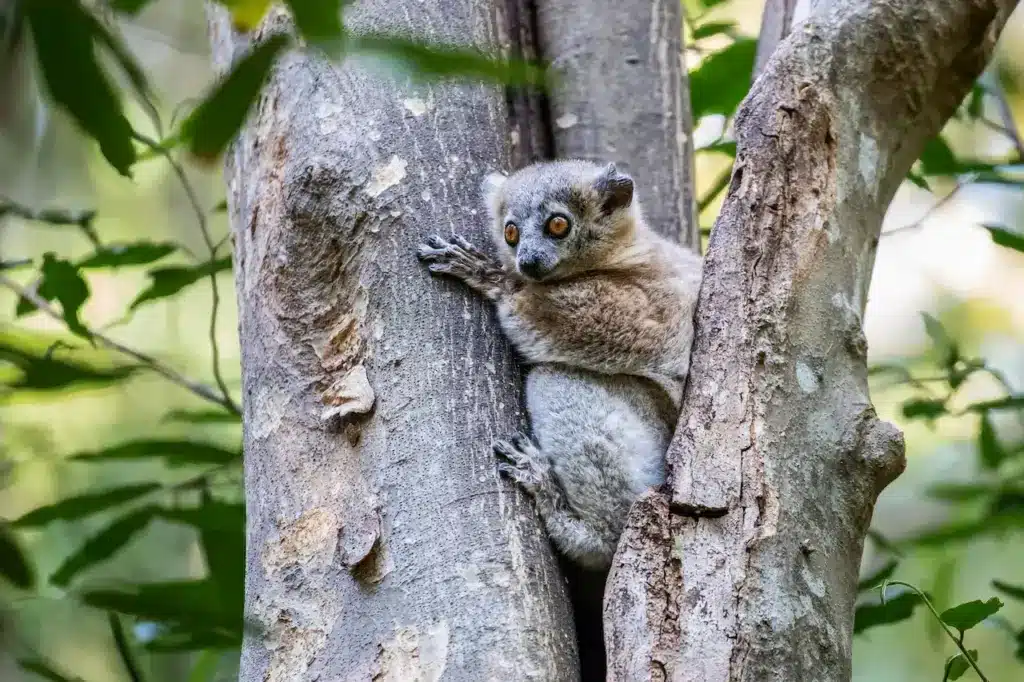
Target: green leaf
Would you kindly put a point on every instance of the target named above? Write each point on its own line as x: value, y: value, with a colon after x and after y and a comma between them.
x: 958, y: 665
x: 81, y: 506
x: 875, y: 579
x: 726, y: 148
x: 63, y: 32
x: 136, y: 75
x: 926, y: 408
x: 221, y: 528
x: 213, y: 124
x: 128, y: 6
x: 61, y: 281
x: 174, y: 452
x: 169, y: 281
x: 959, y: 531
x: 965, y: 616
x: 1004, y: 236
x: 14, y: 565
x: 60, y: 217
x: 196, y: 638
x: 197, y: 603
x: 947, y: 349
x: 120, y: 255
x: 962, y: 492
x: 894, y: 610
x: 1009, y: 507
x: 1009, y: 590
x: 45, y: 670
x: 246, y: 14
x: 317, y: 19
x: 975, y: 101
x: 205, y: 667
x: 203, y: 417
x: 991, y: 450
x: 713, y: 28
x: 419, y: 58
x: 722, y: 80
x: 103, y: 545
x: 36, y: 369
x: 1011, y: 402
x: 937, y: 158
x: 918, y: 180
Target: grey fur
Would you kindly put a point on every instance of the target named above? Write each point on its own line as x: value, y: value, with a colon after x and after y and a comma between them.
x: 605, y: 317
x: 600, y: 442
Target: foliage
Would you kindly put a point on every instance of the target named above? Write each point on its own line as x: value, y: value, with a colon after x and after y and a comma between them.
x: 75, y: 48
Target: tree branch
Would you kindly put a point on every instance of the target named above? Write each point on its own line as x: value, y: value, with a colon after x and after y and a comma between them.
x: 622, y: 97
x: 1009, y: 127
x: 777, y: 21
x: 163, y: 370
x: 778, y: 456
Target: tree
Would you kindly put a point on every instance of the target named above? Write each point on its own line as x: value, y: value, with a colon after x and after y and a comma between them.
x: 747, y: 568
x: 380, y: 542
x: 350, y: 209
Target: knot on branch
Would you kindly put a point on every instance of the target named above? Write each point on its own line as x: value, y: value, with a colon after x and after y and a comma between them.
x: 879, y: 446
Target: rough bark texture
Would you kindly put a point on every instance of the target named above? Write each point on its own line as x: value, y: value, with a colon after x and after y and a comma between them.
x: 778, y: 457
x: 623, y: 96
x: 381, y: 543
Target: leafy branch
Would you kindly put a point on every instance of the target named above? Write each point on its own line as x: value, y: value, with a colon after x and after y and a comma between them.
x: 163, y: 370
x: 204, y: 229
x: 962, y: 617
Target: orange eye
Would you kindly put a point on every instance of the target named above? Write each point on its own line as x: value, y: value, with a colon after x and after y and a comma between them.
x: 558, y: 226
x: 511, y: 234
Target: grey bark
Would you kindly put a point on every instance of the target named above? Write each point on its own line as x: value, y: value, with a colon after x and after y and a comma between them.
x: 623, y: 96
x: 381, y: 543
x: 747, y: 570
x: 777, y: 21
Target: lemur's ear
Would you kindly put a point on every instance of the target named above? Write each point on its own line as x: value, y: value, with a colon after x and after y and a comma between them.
x: 490, y: 188
x: 615, y: 189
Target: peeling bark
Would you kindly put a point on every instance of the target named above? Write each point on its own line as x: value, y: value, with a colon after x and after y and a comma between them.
x: 778, y: 456
x: 381, y: 543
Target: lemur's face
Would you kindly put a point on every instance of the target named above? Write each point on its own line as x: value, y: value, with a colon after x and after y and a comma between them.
x: 552, y: 220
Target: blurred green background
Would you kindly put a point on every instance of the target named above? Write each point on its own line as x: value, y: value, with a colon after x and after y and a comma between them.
x: 937, y: 258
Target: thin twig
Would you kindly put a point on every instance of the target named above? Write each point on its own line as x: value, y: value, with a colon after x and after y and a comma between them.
x: 1005, y: 112
x: 204, y: 229
x: 776, y: 23
x: 956, y: 640
x: 163, y: 370
x: 931, y: 211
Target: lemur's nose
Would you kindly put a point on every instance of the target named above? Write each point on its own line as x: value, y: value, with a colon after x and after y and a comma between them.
x: 531, y: 265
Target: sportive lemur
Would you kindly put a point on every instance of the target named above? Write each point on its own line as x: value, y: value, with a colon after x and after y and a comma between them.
x: 601, y: 309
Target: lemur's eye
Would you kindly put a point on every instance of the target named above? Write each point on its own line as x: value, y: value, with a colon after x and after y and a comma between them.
x: 511, y: 234
x: 558, y: 226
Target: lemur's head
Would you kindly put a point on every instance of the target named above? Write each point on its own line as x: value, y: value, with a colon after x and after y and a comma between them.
x: 560, y: 218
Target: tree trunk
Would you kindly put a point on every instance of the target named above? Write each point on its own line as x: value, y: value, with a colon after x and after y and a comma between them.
x: 381, y: 543
x: 624, y: 97
x: 747, y: 568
